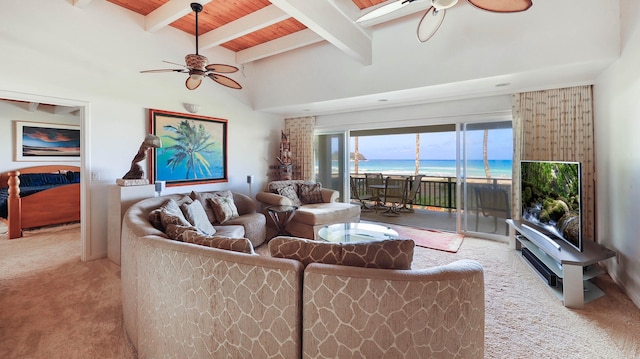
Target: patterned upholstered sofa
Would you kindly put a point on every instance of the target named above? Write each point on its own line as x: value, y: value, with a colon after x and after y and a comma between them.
x: 317, y: 206
x: 186, y: 300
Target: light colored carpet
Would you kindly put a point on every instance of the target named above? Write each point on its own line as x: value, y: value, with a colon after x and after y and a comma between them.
x: 524, y: 319
x: 55, y: 306
x: 73, y: 309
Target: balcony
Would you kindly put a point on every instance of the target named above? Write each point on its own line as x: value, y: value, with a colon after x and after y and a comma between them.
x: 435, y: 204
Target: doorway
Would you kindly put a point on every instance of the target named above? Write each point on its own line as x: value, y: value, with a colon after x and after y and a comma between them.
x: 83, y: 114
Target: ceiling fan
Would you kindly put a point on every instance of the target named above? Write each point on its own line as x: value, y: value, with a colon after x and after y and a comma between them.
x: 197, y: 66
x: 432, y: 19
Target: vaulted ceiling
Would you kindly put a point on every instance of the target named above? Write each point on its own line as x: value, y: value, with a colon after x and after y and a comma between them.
x: 256, y: 29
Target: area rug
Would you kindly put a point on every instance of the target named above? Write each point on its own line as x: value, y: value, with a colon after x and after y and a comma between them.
x: 428, y: 238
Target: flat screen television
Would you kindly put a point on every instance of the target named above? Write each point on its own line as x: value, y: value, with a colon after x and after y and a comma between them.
x: 551, y: 199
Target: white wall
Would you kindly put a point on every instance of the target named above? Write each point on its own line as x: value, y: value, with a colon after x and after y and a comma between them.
x: 94, y: 55
x: 15, y: 111
x: 617, y: 113
x: 446, y: 112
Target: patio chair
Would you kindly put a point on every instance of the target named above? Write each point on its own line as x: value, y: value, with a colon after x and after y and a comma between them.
x: 374, y: 179
x: 395, y: 192
x: 363, y: 199
x: 494, y: 202
x: 412, y: 194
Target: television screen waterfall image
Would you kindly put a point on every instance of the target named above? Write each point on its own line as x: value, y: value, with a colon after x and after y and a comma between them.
x: 551, y: 198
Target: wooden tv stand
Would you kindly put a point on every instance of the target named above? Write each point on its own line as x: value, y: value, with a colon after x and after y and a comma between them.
x: 574, y: 269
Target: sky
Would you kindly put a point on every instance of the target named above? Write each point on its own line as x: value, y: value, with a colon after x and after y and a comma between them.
x: 435, y: 146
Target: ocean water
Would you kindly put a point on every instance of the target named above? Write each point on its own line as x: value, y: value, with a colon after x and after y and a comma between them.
x: 435, y: 168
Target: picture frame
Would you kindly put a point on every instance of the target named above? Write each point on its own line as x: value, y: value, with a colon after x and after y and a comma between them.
x: 173, y: 163
x: 46, y: 142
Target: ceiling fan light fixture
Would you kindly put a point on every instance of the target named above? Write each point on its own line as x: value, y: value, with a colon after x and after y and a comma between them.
x: 443, y: 4
x: 196, y: 76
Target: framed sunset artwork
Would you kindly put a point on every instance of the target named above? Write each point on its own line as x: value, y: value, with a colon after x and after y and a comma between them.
x: 46, y: 142
x: 194, y: 148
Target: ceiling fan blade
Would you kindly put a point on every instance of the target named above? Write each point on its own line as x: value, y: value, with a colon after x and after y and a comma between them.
x: 502, y: 5
x: 225, y: 69
x: 384, y: 10
x: 430, y: 23
x: 223, y: 80
x: 164, y: 70
x: 174, y: 63
x: 193, y: 83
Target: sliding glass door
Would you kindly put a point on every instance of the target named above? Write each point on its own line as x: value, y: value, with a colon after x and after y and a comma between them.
x: 331, y: 163
x: 485, y: 177
x: 464, y: 172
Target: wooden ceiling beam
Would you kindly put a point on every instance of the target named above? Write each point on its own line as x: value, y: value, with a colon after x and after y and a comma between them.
x: 64, y: 110
x: 32, y: 106
x: 347, y: 7
x: 168, y: 13
x: 332, y: 25
x: 283, y: 44
x: 408, y: 9
x: 245, y: 25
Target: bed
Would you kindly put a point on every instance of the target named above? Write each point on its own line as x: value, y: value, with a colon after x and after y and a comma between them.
x: 39, y: 196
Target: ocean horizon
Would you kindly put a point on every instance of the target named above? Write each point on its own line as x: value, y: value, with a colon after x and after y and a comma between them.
x: 433, y: 168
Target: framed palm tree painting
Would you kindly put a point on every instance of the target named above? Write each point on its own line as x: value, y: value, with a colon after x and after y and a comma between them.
x: 194, y: 148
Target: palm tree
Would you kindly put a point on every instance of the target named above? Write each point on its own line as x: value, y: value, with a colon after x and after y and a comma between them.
x: 417, y: 153
x: 485, y: 154
x: 357, y: 154
x: 191, y: 143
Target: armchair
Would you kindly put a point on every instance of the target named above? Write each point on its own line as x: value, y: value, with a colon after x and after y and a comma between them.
x: 317, y: 207
x: 491, y: 201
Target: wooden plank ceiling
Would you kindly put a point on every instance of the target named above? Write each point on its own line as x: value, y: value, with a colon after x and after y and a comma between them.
x: 256, y: 29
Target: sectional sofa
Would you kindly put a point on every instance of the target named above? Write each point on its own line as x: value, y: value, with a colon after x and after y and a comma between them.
x: 187, y: 300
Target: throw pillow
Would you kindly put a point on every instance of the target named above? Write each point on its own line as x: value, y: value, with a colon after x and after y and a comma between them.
x: 386, y: 254
x: 155, y: 219
x: 242, y: 245
x: 290, y: 193
x: 195, y: 214
x: 170, y: 213
x: 203, y: 197
x: 154, y: 216
x: 177, y: 231
x: 168, y: 218
x: 224, y: 208
x: 311, y: 193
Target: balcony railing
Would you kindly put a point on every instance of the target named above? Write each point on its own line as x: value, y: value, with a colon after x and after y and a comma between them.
x: 440, y: 192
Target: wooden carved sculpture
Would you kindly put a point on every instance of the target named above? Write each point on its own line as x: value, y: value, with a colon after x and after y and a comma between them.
x: 136, y: 171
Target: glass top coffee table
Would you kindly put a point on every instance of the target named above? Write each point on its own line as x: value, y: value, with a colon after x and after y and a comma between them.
x: 356, y: 232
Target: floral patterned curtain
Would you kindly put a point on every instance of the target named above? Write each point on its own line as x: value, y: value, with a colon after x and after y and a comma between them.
x: 557, y: 125
x: 300, y: 130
